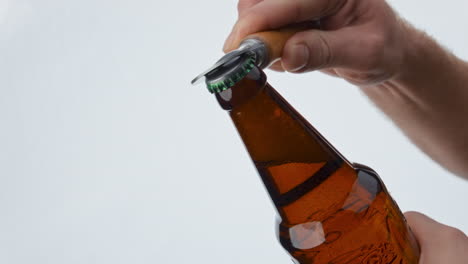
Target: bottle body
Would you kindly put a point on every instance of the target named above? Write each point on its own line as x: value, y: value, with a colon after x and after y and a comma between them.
x: 367, y: 227
x: 331, y: 211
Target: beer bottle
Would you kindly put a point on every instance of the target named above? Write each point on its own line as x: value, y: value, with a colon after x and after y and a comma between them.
x: 330, y: 211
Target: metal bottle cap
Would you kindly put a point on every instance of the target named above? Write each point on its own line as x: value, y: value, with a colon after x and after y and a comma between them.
x: 228, y: 74
x: 234, y: 66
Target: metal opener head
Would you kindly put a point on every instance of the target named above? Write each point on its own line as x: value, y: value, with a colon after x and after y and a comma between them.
x: 235, y: 59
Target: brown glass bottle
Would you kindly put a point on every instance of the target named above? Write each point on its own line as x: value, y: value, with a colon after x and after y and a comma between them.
x: 331, y: 211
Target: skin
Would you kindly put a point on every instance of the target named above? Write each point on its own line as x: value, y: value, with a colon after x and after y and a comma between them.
x: 418, y: 84
x: 439, y: 243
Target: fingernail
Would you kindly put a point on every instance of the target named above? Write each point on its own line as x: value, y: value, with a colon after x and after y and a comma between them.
x: 298, y: 57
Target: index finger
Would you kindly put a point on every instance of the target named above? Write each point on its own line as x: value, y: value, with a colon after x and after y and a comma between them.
x: 274, y: 14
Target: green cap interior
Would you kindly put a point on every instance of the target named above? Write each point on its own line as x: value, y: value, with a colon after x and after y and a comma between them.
x: 231, y: 72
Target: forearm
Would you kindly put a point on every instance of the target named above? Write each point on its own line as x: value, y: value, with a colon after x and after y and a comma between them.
x: 428, y: 100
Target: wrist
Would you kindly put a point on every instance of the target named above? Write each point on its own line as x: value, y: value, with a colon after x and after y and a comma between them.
x: 424, y: 62
x: 427, y: 99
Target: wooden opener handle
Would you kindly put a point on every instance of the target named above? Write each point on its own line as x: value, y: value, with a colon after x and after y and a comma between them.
x: 275, y: 40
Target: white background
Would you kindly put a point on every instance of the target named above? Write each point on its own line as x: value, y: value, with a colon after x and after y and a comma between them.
x: 108, y: 155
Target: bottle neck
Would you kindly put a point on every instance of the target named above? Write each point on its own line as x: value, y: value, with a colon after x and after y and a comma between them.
x: 243, y: 91
x: 270, y: 127
x: 290, y: 155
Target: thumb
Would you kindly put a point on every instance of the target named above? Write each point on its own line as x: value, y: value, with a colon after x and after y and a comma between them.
x: 316, y: 49
x: 439, y: 243
x: 423, y: 227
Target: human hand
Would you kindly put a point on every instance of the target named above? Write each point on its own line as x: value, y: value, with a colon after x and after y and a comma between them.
x: 362, y: 41
x: 439, y: 243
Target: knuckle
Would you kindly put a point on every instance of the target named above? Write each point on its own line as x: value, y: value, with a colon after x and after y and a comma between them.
x: 454, y: 233
x: 321, y: 55
x: 326, y: 51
